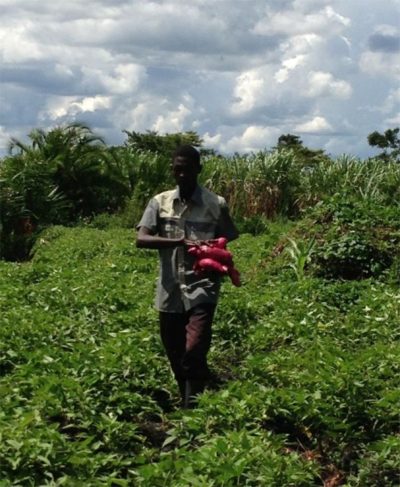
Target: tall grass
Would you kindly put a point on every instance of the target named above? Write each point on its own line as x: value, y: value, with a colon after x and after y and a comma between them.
x: 260, y: 184
x: 372, y: 179
x: 279, y: 183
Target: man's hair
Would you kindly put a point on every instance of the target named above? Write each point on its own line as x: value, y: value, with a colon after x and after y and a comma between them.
x: 188, y: 152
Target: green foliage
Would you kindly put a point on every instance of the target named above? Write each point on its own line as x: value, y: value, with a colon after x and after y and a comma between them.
x: 308, y: 371
x: 306, y: 364
x: 163, y: 145
x: 388, y: 140
x: 300, y: 256
x: 63, y: 175
x: 234, y: 458
x: 380, y: 464
x: 255, y: 225
x: 260, y: 184
x: 305, y: 157
x: 68, y: 173
x: 356, y: 239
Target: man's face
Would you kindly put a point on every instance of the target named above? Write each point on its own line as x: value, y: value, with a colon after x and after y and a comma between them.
x: 185, y: 172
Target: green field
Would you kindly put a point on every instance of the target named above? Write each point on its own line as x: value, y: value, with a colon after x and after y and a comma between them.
x: 306, y: 363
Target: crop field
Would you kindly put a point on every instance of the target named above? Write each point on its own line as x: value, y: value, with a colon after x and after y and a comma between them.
x: 305, y: 359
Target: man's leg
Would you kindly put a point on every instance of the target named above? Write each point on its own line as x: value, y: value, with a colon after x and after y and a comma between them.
x: 173, y: 337
x: 198, y: 341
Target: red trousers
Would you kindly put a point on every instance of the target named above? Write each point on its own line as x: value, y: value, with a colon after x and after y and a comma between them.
x: 187, y: 338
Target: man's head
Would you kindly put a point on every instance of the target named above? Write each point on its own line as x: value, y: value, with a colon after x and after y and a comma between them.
x: 185, y: 168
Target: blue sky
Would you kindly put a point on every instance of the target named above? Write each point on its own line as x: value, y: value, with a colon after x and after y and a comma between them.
x: 238, y: 72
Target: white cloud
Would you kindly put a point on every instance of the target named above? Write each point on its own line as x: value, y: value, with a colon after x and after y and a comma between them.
x: 248, y: 89
x: 16, y: 45
x: 252, y: 139
x: 382, y: 57
x: 212, y: 141
x: 317, y: 125
x: 239, y: 73
x: 66, y: 106
x: 324, y: 84
x: 380, y: 64
x: 287, y: 66
x: 292, y: 22
x: 173, y: 121
x: 393, y: 121
x: 120, y: 79
x: 155, y: 113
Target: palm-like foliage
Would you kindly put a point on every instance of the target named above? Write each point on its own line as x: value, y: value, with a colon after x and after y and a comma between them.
x: 61, y: 175
x: 28, y: 196
x: 80, y: 167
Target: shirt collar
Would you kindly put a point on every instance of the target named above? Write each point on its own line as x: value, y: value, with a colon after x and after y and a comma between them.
x: 196, y: 196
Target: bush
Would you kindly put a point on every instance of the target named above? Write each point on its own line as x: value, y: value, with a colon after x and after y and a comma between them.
x: 354, y: 239
x: 379, y: 465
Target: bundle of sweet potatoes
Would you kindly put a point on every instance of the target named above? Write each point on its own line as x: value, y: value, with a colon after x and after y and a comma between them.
x: 213, y: 256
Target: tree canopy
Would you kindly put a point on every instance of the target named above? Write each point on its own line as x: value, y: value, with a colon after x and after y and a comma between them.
x: 389, y: 141
x: 304, y: 155
x: 165, y: 144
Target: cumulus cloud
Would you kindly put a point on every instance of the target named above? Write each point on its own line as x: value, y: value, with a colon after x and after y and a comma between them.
x: 324, y: 84
x: 239, y: 73
x: 289, y: 22
x: 288, y: 65
x: 317, y: 125
x: 119, y: 79
x: 380, y: 64
x: 212, y: 141
x: 173, y: 121
x: 252, y: 139
x: 66, y: 106
x: 248, y: 90
x: 17, y: 45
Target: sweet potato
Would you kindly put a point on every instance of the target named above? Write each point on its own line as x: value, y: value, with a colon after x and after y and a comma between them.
x: 214, y: 257
x: 209, y: 252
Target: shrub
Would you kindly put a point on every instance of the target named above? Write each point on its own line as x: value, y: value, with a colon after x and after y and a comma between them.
x: 355, y: 239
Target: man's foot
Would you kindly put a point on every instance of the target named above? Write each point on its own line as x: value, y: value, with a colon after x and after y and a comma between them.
x: 192, y: 389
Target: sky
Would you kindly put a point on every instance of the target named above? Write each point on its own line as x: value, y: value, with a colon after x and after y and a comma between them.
x: 238, y: 72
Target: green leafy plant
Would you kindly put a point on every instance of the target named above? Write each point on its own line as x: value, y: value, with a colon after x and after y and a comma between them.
x: 300, y: 255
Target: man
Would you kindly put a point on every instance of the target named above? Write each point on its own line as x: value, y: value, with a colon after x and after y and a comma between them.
x: 185, y: 300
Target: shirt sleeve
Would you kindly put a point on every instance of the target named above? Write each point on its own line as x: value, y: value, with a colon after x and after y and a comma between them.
x: 226, y: 228
x: 150, y: 217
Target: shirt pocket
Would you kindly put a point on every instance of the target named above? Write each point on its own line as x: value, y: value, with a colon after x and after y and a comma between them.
x: 200, y: 230
x: 170, y: 228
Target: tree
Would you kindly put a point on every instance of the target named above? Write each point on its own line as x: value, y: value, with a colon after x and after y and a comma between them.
x: 304, y: 156
x: 389, y: 141
x: 289, y: 141
x: 81, y: 168
x: 61, y: 175
x: 163, y: 145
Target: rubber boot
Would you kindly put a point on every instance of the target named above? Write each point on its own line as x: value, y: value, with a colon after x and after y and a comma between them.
x: 182, y: 389
x: 192, y: 389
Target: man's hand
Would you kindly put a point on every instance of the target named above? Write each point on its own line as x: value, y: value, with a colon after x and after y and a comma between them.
x: 197, y: 243
x: 146, y: 240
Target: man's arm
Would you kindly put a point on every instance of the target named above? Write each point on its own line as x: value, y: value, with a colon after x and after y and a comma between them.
x: 226, y: 228
x: 146, y: 240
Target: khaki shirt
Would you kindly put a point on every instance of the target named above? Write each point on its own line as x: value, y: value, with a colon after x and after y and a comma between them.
x: 205, y: 216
